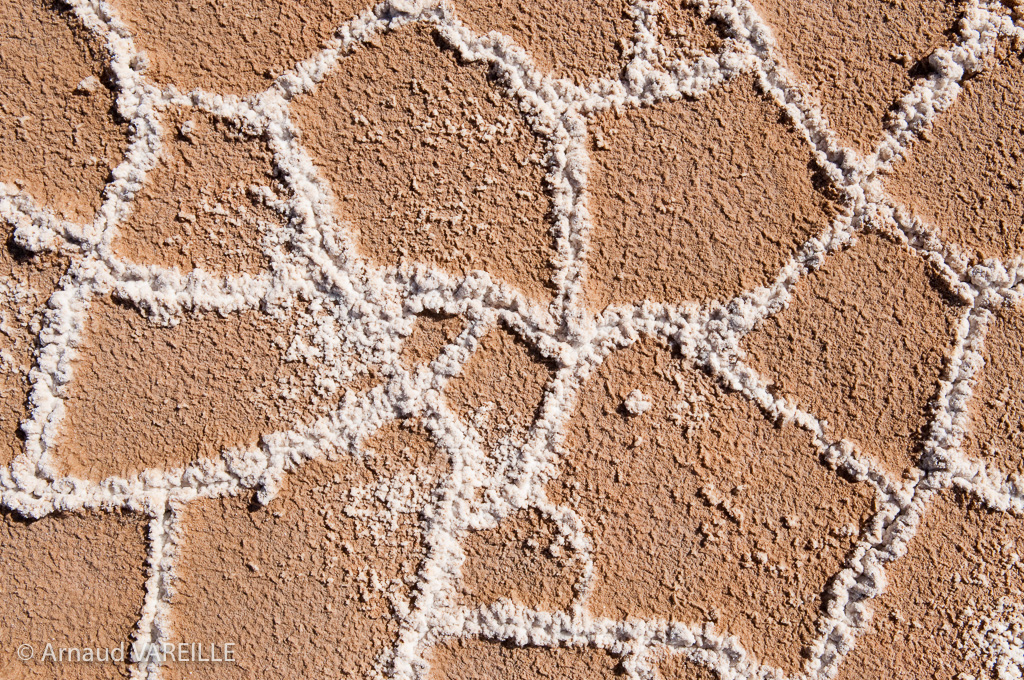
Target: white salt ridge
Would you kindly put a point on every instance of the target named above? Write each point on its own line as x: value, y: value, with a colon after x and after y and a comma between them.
x: 360, y: 313
x: 996, y: 638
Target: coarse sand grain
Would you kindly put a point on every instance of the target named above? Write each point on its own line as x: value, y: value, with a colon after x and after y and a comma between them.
x: 59, y: 136
x: 964, y: 174
x: 486, y: 660
x: 520, y: 560
x: 859, y: 56
x: 153, y: 396
x: 501, y: 386
x: 72, y: 581
x: 962, y: 562
x: 700, y: 509
x: 694, y: 200
x: 863, y: 345
x: 235, y: 46
x: 430, y: 163
x: 996, y: 433
x: 197, y: 208
x: 577, y: 39
x: 306, y: 586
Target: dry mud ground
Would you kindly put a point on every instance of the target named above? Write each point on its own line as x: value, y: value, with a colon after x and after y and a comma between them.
x: 512, y: 338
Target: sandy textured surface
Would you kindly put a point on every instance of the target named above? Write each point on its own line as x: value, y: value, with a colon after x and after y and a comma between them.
x: 238, y: 46
x: 859, y: 57
x: 481, y: 415
x: 961, y: 577
x: 500, y: 388
x: 326, y: 543
x: 151, y: 396
x: 997, y: 412
x: 429, y: 336
x: 483, y: 660
x: 964, y: 176
x: 578, y: 39
x: 685, y: 32
x: 58, y: 135
x: 71, y: 581
x: 198, y: 209
x: 676, y: 667
x: 697, y: 507
x: 869, y: 306
x: 521, y: 561
x: 447, y: 173
x: 680, y: 195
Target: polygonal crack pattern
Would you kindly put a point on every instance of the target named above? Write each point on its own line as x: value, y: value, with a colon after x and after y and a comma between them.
x: 964, y: 174
x: 953, y: 603
x: 996, y: 433
x: 150, y: 396
x: 447, y: 173
x: 71, y: 581
x: 693, y: 200
x: 578, y: 39
x: 326, y: 542
x: 486, y: 660
x: 521, y: 560
x: 685, y: 33
x: 859, y: 57
x: 58, y: 135
x: 700, y: 509
x: 862, y: 345
x: 500, y: 388
x: 238, y: 46
x: 26, y: 282
x: 196, y: 209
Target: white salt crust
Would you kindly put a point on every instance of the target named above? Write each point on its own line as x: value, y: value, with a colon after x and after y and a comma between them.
x: 360, y: 314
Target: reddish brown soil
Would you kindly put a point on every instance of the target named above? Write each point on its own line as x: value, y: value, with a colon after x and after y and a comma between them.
x: 429, y: 336
x: 676, y: 667
x: 859, y: 57
x: 862, y: 345
x: 964, y: 176
x: 301, y: 586
x: 429, y: 163
x: 71, y: 581
x: 694, y: 200
x: 58, y: 134
x: 997, y: 405
x: 577, y: 39
x: 196, y: 208
x: 963, y: 558
x: 519, y: 561
x: 700, y: 509
x: 404, y: 447
x: 149, y: 396
x: 684, y: 31
x: 237, y: 46
x: 484, y: 660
